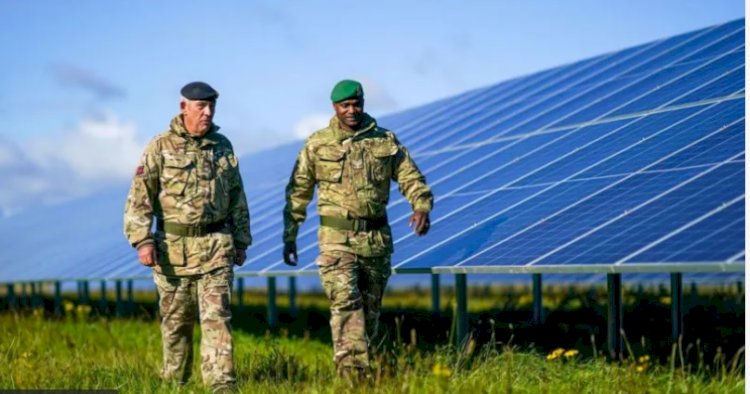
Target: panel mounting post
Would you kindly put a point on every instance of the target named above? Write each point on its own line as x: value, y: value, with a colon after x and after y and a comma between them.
x: 58, y: 298
x: 131, y: 302
x: 272, y: 313
x: 293, y: 296
x: 240, y: 295
x: 10, y: 294
x: 462, y: 318
x: 103, y: 297
x: 118, y: 298
x: 435, y: 295
x: 676, y: 284
x: 537, y: 299
x: 614, y: 316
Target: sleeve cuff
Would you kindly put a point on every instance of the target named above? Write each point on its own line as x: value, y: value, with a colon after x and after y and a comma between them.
x: 147, y: 241
x: 423, y: 206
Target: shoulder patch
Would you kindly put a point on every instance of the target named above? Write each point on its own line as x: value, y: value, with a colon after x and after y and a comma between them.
x: 139, y: 171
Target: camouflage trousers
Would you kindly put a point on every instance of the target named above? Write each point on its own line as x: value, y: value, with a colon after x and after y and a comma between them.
x: 355, y: 286
x: 181, y: 300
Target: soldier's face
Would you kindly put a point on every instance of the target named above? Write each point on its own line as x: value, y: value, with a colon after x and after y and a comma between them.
x: 197, y: 116
x: 350, y: 112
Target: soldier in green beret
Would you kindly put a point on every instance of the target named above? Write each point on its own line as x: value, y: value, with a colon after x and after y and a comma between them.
x: 188, y: 182
x: 352, y: 161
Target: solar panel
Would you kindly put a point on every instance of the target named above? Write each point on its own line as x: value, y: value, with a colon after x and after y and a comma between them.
x: 632, y: 161
x: 591, y: 167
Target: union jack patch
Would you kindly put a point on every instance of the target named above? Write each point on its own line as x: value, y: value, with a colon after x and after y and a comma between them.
x: 139, y: 171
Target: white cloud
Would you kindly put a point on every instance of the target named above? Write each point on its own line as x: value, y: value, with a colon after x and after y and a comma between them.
x: 96, y: 154
x: 309, y: 124
x: 99, y: 149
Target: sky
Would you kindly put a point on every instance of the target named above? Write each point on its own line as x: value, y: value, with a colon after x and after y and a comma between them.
x: 84, y: 85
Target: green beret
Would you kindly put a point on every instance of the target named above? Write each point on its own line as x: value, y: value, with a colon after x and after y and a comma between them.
x: 346, y: 89
x: 199, y: 91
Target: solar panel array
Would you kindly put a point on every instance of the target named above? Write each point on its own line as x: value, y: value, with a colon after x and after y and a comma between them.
x: 632, y: 161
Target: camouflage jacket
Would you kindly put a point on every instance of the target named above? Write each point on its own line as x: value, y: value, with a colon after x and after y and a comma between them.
x: 190, y: 181
x: 353, y: 173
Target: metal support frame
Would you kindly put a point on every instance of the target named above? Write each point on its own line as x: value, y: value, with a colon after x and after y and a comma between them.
x: 24, y: 296
x: 293, y: 296
x: 10, y: 294
x: 130, y: 306
x: 58, y: 298
x: 677, y: 315
x: 34, y: 295
x: 435, y: 279
x: 103, y: 297
x: 240, y: 295
x: 86, y: 293
x: 272, y: 317
x: 536, y: 290
x: 462, y: 317
x: 614, y: 316
x: 118, y: 298
x: 42, y: 290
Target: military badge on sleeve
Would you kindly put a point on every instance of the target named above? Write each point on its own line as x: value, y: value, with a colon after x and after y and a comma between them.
x: 139, y: 171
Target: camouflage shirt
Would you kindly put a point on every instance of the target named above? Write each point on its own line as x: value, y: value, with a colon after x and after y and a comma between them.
x: 190, y: 181
x: 353, y: 173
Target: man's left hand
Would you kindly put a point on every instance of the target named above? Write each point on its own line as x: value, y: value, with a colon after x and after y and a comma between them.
x: 420, y: 222
x: 239, y: 256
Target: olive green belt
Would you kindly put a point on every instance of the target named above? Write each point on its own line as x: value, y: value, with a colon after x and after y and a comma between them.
x: 354, y: 224
x: 189, y: 230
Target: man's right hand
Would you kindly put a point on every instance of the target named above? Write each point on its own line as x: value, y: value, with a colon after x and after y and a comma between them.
x: 290, y: 253
x: 147, y: 255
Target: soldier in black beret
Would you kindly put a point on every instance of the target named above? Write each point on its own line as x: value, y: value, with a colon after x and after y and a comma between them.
x: 188, y: 182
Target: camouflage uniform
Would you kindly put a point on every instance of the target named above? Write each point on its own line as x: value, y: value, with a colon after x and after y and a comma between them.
x: 187, y: 181
x: 353, y: 173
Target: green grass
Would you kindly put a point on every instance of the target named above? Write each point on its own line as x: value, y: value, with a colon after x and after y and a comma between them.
x: 101, y: 353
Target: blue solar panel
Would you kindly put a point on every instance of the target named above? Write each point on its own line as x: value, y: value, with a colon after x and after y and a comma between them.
x: 628, y: 161
x: 656, y: 168
x: 501, y: 159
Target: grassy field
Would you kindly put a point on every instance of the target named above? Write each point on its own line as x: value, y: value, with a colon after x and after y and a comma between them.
x: 83, y: 350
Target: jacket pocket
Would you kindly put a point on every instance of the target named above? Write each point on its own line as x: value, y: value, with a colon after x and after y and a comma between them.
x: 170, y: 249
x: 176, y: 174
x: 330, y: 163
x: 381, y: 164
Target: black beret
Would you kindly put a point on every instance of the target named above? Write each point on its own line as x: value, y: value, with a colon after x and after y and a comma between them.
x: 199, y: 91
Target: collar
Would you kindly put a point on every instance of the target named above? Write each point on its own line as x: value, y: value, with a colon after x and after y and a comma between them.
x: 368, y: 123
x: 177, y: 127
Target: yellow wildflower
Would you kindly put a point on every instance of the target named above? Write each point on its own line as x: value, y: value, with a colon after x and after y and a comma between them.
x: 556, y: 354
x: 570, y: 353
x: 83, y: 310
x: 665, y: 300
x: 641, y: 368
x: 441, y: 371
x: 68, y: 306
x: 644, y: 359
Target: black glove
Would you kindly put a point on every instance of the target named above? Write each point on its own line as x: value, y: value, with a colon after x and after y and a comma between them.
x: 290, y: 253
